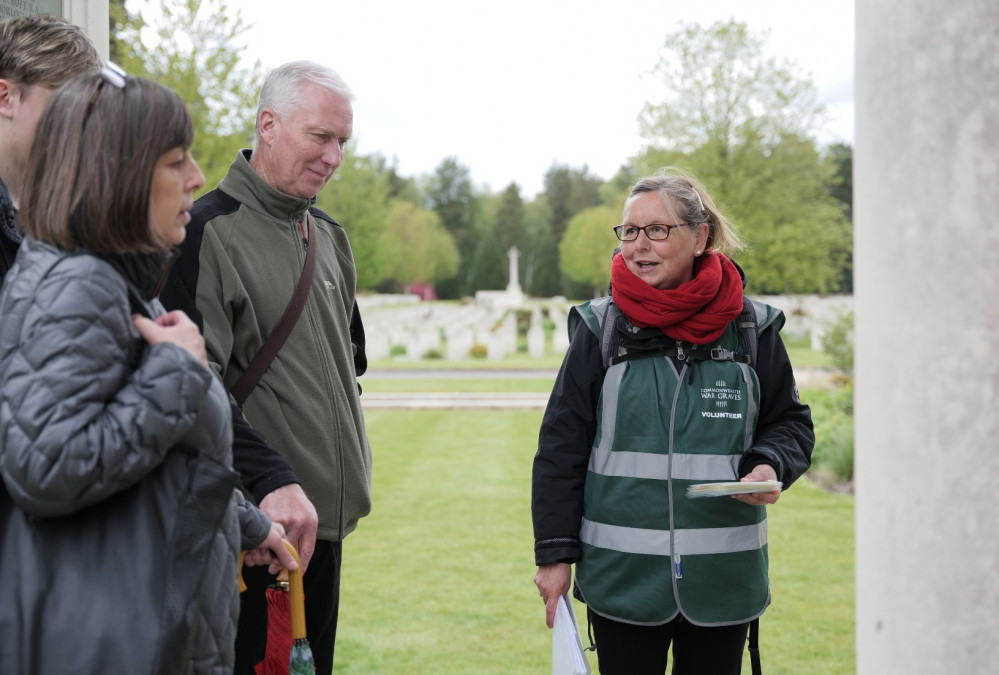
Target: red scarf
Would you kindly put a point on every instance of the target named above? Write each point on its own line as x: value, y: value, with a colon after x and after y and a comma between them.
x: 697, y: 311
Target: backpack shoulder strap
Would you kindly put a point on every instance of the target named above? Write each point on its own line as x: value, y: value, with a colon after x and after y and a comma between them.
x: 756, y: 317
x: 608, y: 346
x: 600, y: 317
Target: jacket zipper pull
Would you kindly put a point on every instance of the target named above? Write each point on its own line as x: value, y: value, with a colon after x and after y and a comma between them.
x: 680, y: 356
x: 677, y: 569
x: 305, y: 239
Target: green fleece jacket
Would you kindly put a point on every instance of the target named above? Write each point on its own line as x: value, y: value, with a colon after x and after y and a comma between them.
x: 242, y: 258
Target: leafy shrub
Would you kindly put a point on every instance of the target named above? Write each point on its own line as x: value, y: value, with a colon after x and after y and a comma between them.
x: 478, y: 351
x: 397, y: 350
x: 433, y: 354
x: 838, y: 343
x: 832, y: 415
x: 834, y: 444
x: 523, y: 320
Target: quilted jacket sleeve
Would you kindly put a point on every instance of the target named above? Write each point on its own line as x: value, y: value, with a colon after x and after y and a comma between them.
x: 85, y: 410
x: 254, y: 525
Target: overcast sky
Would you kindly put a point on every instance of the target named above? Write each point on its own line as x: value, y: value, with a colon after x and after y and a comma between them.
x: 511, y: 87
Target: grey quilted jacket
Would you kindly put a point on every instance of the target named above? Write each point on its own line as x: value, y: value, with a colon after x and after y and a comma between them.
x: 87, y: 409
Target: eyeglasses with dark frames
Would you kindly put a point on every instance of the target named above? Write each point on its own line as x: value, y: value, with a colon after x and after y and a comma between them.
x: 110, y: 74
x: 655, y: 231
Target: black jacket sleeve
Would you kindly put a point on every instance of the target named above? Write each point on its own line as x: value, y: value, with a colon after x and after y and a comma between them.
x: 357, y: 339
x: 567, y: 432
x: 10, y: 232
x: 262, y: 468
x: 784, y: 435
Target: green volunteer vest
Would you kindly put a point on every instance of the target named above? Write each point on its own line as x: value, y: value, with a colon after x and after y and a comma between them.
x: 648, y: 551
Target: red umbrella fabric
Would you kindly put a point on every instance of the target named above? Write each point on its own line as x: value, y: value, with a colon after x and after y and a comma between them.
x: 287, y: 651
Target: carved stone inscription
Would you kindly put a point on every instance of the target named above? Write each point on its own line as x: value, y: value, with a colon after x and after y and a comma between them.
x: 12, y: 8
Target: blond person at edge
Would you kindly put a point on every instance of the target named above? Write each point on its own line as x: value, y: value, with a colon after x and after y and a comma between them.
x: 99, y: 387
x: 654, y: 567
x: 244, y: 255
x: 38, y: 53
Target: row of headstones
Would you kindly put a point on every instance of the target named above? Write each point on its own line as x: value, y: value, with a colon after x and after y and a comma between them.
x: 459, y: 332
x: 810, y: 315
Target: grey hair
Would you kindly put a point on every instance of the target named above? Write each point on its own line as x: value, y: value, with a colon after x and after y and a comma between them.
x: 282, y: 90
x: 689, y: 202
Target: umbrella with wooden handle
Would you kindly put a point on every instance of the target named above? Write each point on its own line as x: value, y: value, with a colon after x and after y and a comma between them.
x: 287, y: 651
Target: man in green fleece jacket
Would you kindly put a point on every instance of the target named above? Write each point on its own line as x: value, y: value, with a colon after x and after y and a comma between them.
x: 239, y: 265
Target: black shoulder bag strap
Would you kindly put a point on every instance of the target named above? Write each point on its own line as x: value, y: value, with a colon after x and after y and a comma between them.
x: 262, y: 359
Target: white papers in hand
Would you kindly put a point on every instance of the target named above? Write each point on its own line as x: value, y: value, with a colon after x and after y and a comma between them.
x: 733, y: 488
x: 567, y: 648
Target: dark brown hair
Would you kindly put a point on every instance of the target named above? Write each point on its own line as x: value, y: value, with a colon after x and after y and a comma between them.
x: 90, y: 173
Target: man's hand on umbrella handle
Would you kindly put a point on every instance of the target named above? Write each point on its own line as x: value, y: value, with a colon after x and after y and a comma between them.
x: 272, y: 552
x: 289, y: 506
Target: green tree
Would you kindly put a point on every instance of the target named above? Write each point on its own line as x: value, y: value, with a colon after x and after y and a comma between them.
x: 840, y: 156
x: 510, y: 221
x: 450, y: 195
x: 191, y: 47
x: 125, y: 28
x: 799, y: 237
x: 542, y: 277
x: 502, y: 224
x: 358, y: 196
x: 586, y: 248
x: 614, y: 192
x: 719, y: 85
x: 489, y: 269
x: 415, y: 246
x: 841, y: 189
x: 743, y: 123
x: 567, y: 192
x: 499, y: 225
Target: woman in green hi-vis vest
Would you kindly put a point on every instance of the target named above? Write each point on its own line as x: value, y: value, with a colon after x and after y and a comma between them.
x: 673, y: 382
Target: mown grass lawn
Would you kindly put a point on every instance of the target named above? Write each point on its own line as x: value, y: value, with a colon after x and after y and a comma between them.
x: 438, y: 578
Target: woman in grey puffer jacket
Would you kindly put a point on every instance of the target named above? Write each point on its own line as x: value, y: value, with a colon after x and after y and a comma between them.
x: 119, y: 521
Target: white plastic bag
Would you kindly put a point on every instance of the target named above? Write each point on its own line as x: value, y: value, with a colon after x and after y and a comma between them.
x: 567, y: 648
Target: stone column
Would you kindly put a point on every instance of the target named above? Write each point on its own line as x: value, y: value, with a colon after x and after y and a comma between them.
x: 927, y: 326
x: 14, y: 8
x: 92, y: 17
x: 513, y: 286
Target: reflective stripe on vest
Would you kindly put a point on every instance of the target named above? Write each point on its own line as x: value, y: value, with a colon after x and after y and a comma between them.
x: 685, y: 542
x: 644, y: 465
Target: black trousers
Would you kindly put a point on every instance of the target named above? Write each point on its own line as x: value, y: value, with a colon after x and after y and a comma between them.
x: 321, y: 583
x: 626, y: 649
